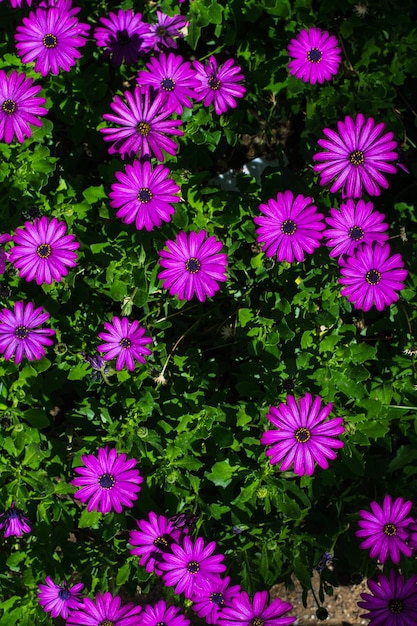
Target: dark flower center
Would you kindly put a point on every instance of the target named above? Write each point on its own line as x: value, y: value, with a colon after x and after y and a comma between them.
x: 50, y: 41
x: 122, y: 37
x: 302, y: 435
x: 44, y: 251
x: 390, y: 530
x: 161, y: 543
x: 9, y: 107
x: 21, y: 332
x: 357, y: 157
x: 217, y: 598
x: 193, y: 265
x: 143, y: 128
x: 144, y: 195
x: 373, y: 277
x: 214, y: 83
x: 256, y: 621
x: 125, y: 343
x: 314, y: 55
x: 106, y: 481
x: 395, y: 606
x: 168, y: 84
x: 107, y: 622
x: 64, y: 594
x: 288, y: 227
x: 13, y: 513
x: 160, y: 31
x: 193, y: 567
x: 160, y: 624
x: 356, y: 233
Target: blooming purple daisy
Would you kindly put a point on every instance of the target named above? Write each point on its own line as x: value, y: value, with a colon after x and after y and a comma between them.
x: 385, y: 529
x: 193, y: 265
x: 161, y: 614
x: 191, y: 565
x: 18, y: 3
x: 172, y: 76
x: 20, y: 335
x: 122, y: 36
x: 353, y: 225
x: 302, y: 436
x: 124, y: 340
x: 290, y: 227
x: 144, y: 195
x: 105, y: 611
x: 243, y: 612
x: 43, y: 251
x: 19, y: 106
x: 219, y: 85
x: 108, y: 481
x: 393, y: 603
x: 356, y: 156
x: 153, y: 539
x: 13, y: 522
x: 316, y: 56
x: 210, y: 600
x: 372, y: 276
x: 145, y: 125
x: 165, y: 31
x: 50, y: 37
x: 59, y: 599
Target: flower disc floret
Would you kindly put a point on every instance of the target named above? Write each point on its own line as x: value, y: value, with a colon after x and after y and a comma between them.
x: 153, y: 538
x: 392, y: 602
x: 219, y: 85
x: 121, y: 36
x: 19, y: 106
x: 14, y: 523
x: 316, y: 56
x: 124, y: 340
x: 165, y: 32
x: 59, y: 600
x: 105, y: 611
x: 161, y: 614
x: 243, y: 612
x: 210, y: 600
x: 20, y: 334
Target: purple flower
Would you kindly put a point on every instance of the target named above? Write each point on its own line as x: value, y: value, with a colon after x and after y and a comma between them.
x: 19, y: 106
x: 20, y: 335
x: 18, y: 3
x: 144, y: 195
x: 161, y: 614
x: 302, y: 436
x: 153, y: 539
x: 393, y: 603
x: 124, y: 340
x: 43, y: 251
x: 122, y: 36
x: 165, y: 31
x: 172, y: 76
x: 372, y: 277
x: 243, y: 612
x: 289, y: 227
x: 107, y: 481
x: 353, y: 225
x: 62, y: 5
x: 59, y: 599
x: 385, y: 529
x: 219, y: 85
x: 4, y: 256
x: 13, y: 522
x: 191, y: 565
x: 316, y: 56
x: 356, y: 156
x: 193, y: 265
x: 105, y: 611
x: 145, y: 125
x: 50, y: 37
x: 210, y: 600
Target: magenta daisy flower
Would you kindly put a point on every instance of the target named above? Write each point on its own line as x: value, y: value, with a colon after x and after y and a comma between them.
x: 356, y: 156
x: 289, y: 227
x: 14, y: 523
x: 353, y: 225
x: 19, y: 106
x: 161, y: 614
x: 219, y: 85
x: 145, y: 125
x: 43, y: 251
x: 20, y: 335
x: 144, y: 195
x: 316, y: 56
x: 107, y: 481
x: 59, y: 599
x: 153, y: 539
x: 393, y: 602
x: 193, y: 266
x: 166, y: 30
x: 302, y: 436
x: 372, y: 276
x: 243, y: 612
x: 385, y: 529
x: 105, y: 611
x: 191, y: 565
x: 124, y: 340
x: 121, y: 36
x: 210, y: 600
x: 18, y: 3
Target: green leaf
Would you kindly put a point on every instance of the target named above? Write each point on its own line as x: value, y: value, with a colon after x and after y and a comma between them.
x: 221, y: 473
x: 123, y: 573
x: 79, y: 371
x: 89, y: 519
